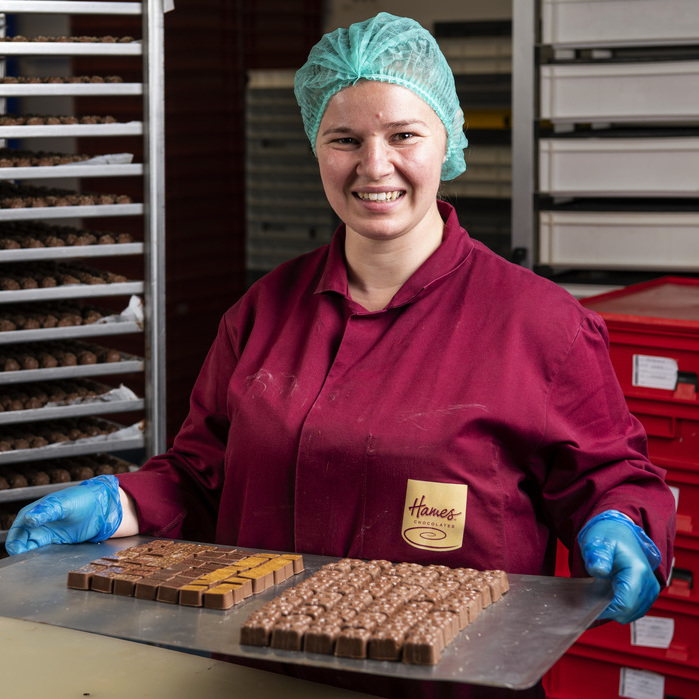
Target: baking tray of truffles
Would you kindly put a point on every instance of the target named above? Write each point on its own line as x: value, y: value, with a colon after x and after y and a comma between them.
x: 50, y: 439
x: 62, y: 212
x: 64, y: 320
x: 511, y: 644
x: 43, y: 88
x: 51, y: 280
x: 70, y: 46
x: 65, y: 399
x: 22, y: 363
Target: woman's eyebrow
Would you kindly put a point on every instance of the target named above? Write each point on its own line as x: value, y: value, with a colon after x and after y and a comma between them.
x: 389, y: 125
x: 336, y: 129
x: 405, y: 124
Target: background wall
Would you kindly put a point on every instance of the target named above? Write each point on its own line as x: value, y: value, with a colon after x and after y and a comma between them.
x: 340, y: 13
x: 210, y: 45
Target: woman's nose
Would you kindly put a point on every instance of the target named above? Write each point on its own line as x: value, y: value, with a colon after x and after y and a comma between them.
x: 374, y: 160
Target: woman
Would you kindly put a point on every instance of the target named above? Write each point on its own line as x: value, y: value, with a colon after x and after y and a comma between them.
x: 402, y: 393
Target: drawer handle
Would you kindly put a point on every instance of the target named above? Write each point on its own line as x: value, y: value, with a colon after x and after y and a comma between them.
x: 657, y: 425
x: 681, y: 582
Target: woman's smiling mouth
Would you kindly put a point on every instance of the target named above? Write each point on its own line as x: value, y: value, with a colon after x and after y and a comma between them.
x: 378, y: 196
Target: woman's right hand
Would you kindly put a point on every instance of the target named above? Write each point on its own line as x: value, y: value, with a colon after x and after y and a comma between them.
x: 90, y: 511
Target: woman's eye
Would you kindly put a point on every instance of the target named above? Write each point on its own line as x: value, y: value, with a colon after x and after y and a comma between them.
x: 345, y: 141
x: 404, y: 136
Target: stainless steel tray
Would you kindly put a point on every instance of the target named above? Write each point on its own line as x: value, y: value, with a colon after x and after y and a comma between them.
x: 45, y: 213
x: 130, y: 365
x: 72, y: 291
x: 70, y: 332
x: 512, y: 644
x: 70, y: 251
x: 131, y: 128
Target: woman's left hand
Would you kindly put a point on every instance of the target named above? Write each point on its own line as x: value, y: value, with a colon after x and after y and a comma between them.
x: 614, y: 547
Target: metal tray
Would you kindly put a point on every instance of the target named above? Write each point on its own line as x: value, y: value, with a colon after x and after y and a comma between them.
x: 130, y: 365
x: 72, y: 291
x: 60, y: 212
x: 512, y: 644
x: 127, y: 438
x: 130, y: 128
x: 69, y: 48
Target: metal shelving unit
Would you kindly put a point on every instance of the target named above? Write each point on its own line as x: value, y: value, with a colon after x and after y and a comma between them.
x: 605, y: 132
x: 141, y: 433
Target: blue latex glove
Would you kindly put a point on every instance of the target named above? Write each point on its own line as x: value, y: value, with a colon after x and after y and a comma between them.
x: 614, y: 547
x: 90, y: 511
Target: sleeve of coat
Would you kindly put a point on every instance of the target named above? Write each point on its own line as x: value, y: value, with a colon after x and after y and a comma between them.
x: 596, y: 454
x: 177, y: 494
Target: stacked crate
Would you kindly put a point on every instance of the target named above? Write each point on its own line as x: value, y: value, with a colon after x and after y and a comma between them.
x: 287, y: 213
x: 654, y: 347
x: 618, y: 153
x: 480, y: 56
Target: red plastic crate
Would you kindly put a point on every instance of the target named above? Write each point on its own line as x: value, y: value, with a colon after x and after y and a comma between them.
x: 684, y: 581
x: 673, y: 432
x: 686, y: 484
x: 587, y: 673
x: 683, y: 648
x: 657, y: 323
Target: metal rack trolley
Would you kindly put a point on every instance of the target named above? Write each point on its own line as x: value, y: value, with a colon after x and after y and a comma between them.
x: 149, y: 437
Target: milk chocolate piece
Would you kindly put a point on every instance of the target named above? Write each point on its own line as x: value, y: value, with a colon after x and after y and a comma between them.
x: 125, y: 584
x: 146, y: 588
x: 223, y: 596
x: 257, y: 631
x: 352, y: 643
x: 80, y: 579
x: 320, y: 638
x: 287, y: 633
x: 296, y: 559
x: 386, y: 643
x: 193, y: 595
x: 422, y: 648
x: 169, y: 591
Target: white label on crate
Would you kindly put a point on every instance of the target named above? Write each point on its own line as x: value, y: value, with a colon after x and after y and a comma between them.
x: 676, y: 494
x: 641, y: 684
x: 654, y: 372
x: 652, y: 632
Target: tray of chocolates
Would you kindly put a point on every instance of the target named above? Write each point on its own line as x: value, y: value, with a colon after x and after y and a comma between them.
x: 510, y: 642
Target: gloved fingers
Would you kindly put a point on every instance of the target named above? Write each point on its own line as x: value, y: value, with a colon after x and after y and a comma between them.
x: 44, y: 512
x: 21, y: 538
x: 17, y: 540
x: 632, y: 599
x: 598, y: 556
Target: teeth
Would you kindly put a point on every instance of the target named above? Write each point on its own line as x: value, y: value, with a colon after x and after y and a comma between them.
x: 378, y: 196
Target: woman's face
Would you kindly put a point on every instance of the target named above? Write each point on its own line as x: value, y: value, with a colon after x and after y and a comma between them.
x: 380, y: 149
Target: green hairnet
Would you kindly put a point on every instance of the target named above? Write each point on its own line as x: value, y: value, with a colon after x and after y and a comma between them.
x: 390, y: 49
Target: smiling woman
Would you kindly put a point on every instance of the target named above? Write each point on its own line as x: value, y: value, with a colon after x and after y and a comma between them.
x: 402, y: 393
x: 380, y: 109
x: 380, y: 150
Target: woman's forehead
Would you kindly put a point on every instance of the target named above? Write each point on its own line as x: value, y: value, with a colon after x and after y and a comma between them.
x: 376, y: 99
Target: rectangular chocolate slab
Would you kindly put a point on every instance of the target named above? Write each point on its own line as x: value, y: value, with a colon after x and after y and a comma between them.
x: 177, y: 572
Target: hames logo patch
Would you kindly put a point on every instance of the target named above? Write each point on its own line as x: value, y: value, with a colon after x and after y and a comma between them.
x: 434, y: 516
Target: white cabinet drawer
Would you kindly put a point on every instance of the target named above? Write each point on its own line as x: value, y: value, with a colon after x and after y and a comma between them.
x: 664, y: 166
x: 619, y: 22
x: 666, y: 241
x: 631, y: 92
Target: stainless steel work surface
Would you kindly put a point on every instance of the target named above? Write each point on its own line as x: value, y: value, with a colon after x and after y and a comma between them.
x: 511, y: 644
